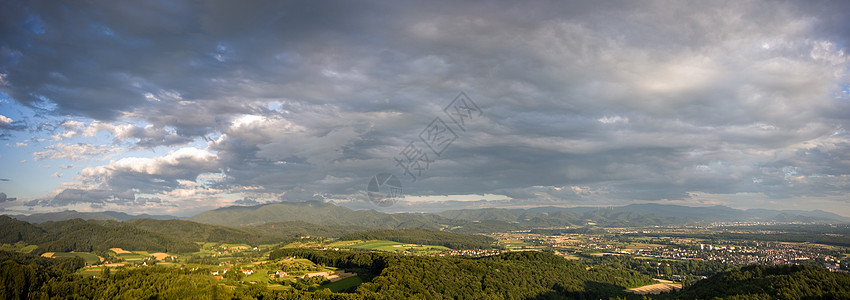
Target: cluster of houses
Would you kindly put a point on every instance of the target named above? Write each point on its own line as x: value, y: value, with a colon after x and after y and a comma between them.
x: 225, y: 250
x: 220, y: 275
x: 277, y: 274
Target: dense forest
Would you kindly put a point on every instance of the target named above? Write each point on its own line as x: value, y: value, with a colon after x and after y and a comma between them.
x: 85, y: 236
x: 770, y: 282
x: 30, y: 277
x: 151, y: 235
x: 91, y: 235
x: 692, y: 267
x: 513, y: 275
x: 19, y: 231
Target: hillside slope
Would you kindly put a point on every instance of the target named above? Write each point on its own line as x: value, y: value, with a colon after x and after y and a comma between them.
x: 770, y: 282
x: 313, y: 212
x: 86, y: 236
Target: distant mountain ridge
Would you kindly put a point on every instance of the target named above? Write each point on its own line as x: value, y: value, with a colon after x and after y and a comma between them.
x: 314, y: 212
x: 504, y: 218
x: 72, y: 214
x: 650, y: 213
x: 465, y: 220
x: 721, y: 213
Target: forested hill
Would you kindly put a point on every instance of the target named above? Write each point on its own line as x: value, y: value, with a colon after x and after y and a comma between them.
x: 268, y: 233
x: 79, y: 235
x: 71, y: 214
x: 19, y: 231
x: 316, y: 213
x: 191, y: 231
x: 513, y: 275
x: 85, y: 236
x: 770, y: 282
x: 180, y: 235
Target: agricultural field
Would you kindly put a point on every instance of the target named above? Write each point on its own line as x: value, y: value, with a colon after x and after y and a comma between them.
x: 388, y: 246
x: 89, y: 257
x: 20, y: 247
x: 132, y: 256
x: 518, y: 245
x: 632, y: 247
x: 91, y: 271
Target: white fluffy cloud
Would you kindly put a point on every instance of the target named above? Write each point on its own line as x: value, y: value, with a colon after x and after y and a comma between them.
x: 79, y: 151
x: 185, y: 163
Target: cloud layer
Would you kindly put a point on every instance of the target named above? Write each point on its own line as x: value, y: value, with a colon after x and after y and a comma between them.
x: 583, y: 103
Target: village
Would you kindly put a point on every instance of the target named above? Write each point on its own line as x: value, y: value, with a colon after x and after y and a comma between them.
x: 735, y: 252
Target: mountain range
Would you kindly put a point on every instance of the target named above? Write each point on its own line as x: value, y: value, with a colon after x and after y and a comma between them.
x: 466, y: 220
x: 72, y: 214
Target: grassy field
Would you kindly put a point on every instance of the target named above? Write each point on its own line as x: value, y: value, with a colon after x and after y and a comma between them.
x: 28, y: 248
x: 258, y: 276
x: 91, y: 271
x: 389, y: 246
x: 343, y: 284
x: 132, y: 256
x: 344, y: 244
x: 18, y: 247
x: 305, y: 266
x: 241, y: 246
x: 517, y: 244
x: 89, y: 257
x: 206, y: 249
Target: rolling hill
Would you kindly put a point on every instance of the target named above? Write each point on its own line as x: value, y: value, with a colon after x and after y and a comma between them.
x: 19, y: 231
x: 92, y: 235
x: 313, y: 212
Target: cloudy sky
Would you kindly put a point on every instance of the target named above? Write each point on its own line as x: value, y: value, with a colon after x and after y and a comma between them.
x: 175, y: 107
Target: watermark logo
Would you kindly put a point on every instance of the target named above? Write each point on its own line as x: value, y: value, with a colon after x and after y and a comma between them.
x: 461, y: 109
x: 438, y: 136
x: 384, y: 189
x: 415, y: 158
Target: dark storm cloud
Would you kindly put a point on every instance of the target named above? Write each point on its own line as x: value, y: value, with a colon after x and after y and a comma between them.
x: 620, y: 100
x: 101, y: 60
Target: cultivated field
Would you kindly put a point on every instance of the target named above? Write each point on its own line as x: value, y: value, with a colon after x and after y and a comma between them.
x: 88, y: 257
x: 654, y: 289
x: 389, y: 246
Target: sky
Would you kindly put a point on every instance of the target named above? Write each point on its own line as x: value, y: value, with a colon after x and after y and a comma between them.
x: 177, y: 107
